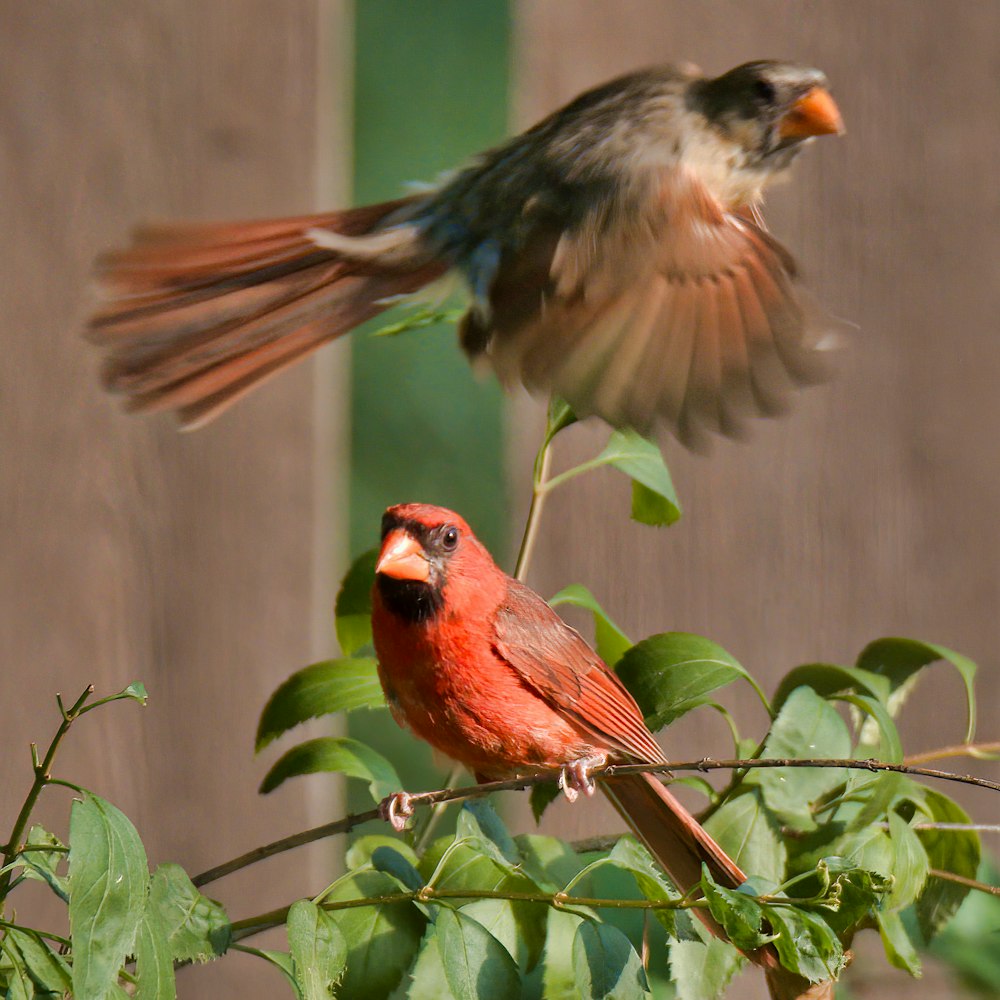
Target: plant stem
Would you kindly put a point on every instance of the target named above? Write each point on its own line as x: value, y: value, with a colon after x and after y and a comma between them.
x: 559, y: 900
x: 437, y: 811
x: 538, y: 493
x: 969, y: 883
x: 43, y: 776
x: 976, y: 750
x: 421, y: 799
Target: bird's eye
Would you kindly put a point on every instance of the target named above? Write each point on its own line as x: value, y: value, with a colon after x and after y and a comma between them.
x: 765, y: 91
x: 449, y: 539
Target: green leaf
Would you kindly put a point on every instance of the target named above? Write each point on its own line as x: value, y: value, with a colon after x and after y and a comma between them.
x: 361, y: 850
x: 631, y: 856
x: 478, y: 820
x: 391, y: 861
x: 46, y: 968
x: 108, y: 876
x: 748, y: 835
x: 606, y: 964
x: 382, y: 939
x: 476, y: 965
x: 739, y: 913
x: 671, y: 673
x: 890, y: 746
x: 19, y: 983
x: 541, y: 797
x: 558, y: 417
x: 353, y: 608
x: 806, y: 943
x: 910, y: 865
x: 828, y: 679
x: 281, y: 960
x: 518, y: 926
x: 956, y: 851
x: 428, y: 981
x: 703, y: 971
x: 807, y: 726
x: 197, y: 928
x: 899, y: 947
x: 340, y: 754
x: 43, y: 865
x: 549, y: 862
x: 609, y: 640
x: 654, y: 500
x: 321, y: 689
x: 417, y: 319
x: 558, y: 967
x: 900, y: 660
x: 154, y: 964
x: 318, y: 949
x: 136, y: 691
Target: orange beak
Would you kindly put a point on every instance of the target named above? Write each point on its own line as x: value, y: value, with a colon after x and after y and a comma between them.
x: 814, y: 113
x: 402, y: 557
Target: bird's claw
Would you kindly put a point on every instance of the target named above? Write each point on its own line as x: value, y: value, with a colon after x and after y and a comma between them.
x: 396, y: 809
x: 577, y: 776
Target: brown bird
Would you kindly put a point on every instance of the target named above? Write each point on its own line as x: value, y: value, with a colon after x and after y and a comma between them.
x: 613, y: 255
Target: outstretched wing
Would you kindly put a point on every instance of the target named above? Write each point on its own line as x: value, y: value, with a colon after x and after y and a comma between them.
x: 669, y: 309
x: 554, y: 661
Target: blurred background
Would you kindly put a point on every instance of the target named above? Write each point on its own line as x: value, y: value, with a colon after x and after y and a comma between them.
x: 205, y: 564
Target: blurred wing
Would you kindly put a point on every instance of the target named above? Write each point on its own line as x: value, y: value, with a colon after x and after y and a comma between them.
x: 555, y: 662
x: 670, y: 310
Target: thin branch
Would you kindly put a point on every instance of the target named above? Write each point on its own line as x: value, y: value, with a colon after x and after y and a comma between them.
x: 980, y: 751
x: 970, y: 883
x: 348, y: 823
x: 538, y: 494
x: 43, y: 777
x: 428, y: 894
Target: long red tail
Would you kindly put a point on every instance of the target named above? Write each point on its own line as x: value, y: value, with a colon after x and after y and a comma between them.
x: 681, y: 845
x: 196, y: 315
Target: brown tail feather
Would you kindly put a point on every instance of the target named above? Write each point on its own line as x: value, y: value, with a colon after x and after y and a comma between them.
x: 199, y: 314
x: 678, y: 841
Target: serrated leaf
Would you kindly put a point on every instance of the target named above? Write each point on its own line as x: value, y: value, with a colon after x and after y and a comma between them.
x: 703, y: 971
x: 46, y: 968
x: 828, y: 679
x: 610, y: 641
x: 899, y: 948
x: 320, y: 689
x: 108, y: 877
x: 807, y: 726
x: 737, y: 912
x: 382, y: 940
x: 806, y: 944
x: 956, y: 851
x: 476, y: 965
x: 353, y: 607
x: 154, y: 965
x: 870, y: 849
x: 318, y: 949
x: 900, y: 660
x: 654, y: 500
x: 671, y: 673
x: 748, y: 835
x: 43, y: 865
x: 606, y: 965
x: 197, y: 928
x: 339, y: 754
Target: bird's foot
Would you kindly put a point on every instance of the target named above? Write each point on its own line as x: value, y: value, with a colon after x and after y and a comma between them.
x: 577, y: 776
x: 396, y: 809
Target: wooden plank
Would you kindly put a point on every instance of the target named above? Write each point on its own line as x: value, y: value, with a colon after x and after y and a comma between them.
x: 133, y: 552
x: 872, y: 510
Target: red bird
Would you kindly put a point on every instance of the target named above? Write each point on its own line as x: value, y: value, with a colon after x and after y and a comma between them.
x: 480, y: 667
x: 613, y: 254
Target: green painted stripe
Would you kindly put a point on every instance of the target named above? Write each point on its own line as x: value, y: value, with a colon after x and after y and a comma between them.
x: 431, y: 85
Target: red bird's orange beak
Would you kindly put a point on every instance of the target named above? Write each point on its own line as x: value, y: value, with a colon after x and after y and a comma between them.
x: 402, y: 557
x: 815, y: 113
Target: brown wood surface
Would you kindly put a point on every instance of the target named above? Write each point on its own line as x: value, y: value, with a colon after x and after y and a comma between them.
x: 873, y: 509
x: 132, y: 551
